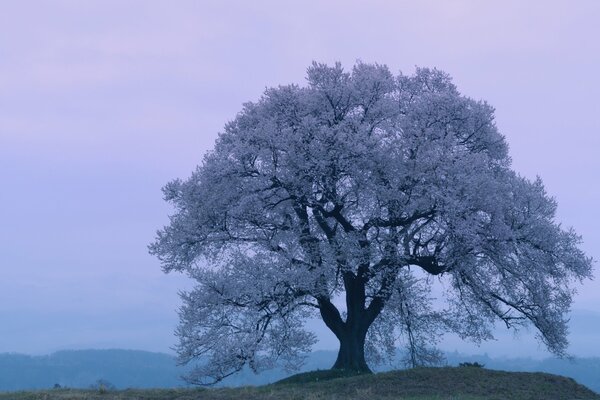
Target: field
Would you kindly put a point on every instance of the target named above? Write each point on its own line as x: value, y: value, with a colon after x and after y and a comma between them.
x: 466, y: 383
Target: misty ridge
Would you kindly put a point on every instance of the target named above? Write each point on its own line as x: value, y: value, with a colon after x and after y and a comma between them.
x: 142, y: 369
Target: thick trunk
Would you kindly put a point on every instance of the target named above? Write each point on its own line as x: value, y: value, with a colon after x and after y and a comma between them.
x: 351, y: 356
x: 352, y: 332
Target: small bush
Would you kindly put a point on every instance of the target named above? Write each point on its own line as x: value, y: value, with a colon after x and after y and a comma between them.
x: 102, y: 386
x: 471, y: 364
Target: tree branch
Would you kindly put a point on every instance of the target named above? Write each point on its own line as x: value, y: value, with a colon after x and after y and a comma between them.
x: 331, y: 316
x: 396, y: 222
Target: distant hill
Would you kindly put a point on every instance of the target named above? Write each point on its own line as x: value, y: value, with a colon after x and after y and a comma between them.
x: 140, y: 369
x: 82, y: 368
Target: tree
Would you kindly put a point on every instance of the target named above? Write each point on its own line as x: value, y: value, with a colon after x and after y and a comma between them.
x: 357, y: 198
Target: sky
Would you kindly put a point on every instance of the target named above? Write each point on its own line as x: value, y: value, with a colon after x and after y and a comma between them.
x: 103, y: 102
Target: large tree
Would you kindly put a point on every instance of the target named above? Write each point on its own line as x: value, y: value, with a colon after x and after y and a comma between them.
x: 383, y: 204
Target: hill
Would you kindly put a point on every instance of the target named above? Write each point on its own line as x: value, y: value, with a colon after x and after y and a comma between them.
x: 459, y: 383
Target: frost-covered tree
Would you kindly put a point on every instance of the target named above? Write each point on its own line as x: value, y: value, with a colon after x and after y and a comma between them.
x: 349, y: 199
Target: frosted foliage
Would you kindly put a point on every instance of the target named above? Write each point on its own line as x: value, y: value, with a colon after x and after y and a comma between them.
x: 345, y: 188
x: 409, y: 319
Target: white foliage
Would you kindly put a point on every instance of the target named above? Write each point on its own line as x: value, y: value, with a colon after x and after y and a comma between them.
x: 341, y: 187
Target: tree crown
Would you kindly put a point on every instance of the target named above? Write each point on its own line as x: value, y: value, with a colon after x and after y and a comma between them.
x: 362, y: 186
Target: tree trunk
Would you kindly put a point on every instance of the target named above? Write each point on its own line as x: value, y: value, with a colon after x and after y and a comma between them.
x: 352, y: 332
x: 351, y: 356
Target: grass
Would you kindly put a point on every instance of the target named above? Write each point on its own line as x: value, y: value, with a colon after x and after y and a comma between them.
x: 415, y: 384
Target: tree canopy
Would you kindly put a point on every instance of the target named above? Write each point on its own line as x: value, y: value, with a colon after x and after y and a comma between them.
x: 385, y: 205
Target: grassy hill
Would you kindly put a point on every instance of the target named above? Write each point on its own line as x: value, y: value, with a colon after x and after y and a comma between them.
x: 463, y: 383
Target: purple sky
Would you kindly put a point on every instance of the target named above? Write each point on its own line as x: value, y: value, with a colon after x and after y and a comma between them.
x: 103, y: 102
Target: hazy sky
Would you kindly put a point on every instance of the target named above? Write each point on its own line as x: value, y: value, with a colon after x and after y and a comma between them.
x: 103, y: 102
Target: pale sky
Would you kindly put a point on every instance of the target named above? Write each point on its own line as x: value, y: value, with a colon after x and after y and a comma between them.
x: 103, y: 102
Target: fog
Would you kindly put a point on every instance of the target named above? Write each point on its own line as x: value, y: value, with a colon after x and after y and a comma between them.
x: 103, y: 102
